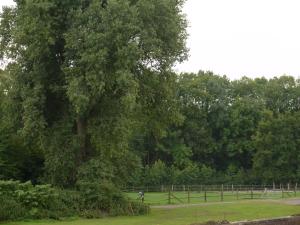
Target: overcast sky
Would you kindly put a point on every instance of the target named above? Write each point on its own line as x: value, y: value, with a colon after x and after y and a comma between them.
x: 242, y: 37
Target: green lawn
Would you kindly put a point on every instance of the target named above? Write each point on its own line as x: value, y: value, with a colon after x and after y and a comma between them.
x: 161, y: 198
x: 184, y: 216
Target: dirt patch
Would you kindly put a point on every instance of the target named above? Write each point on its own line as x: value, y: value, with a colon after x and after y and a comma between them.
x: 225, y: 222
x: 292, y: 202
x: 280, y: 221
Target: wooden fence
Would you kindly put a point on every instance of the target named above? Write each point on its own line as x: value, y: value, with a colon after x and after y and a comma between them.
x: 183, y: 194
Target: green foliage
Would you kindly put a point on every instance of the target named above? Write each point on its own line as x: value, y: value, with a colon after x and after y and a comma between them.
x: 189, y: 175
x: 96, y: 170
x: 242, y: 132
x: 157, y: 174
x: 39, y: 201
x: 23, y: 200
x: 118, y: 169
x: 18, y: 160
x: 206, y: 175
x: 106, y: 199
x: 244, y: 116
x: 93, y: 77
x: 277, y: 143
x: 205, y: 102
x: 10, y: 209
x: 89, y: 97
x: 103, y: 196
x: 60, y: 155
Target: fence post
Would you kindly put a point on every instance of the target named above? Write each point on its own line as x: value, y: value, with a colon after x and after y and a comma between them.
x: 295, y: 190
x: 282, y: 193
x: 169, y: 196
x: 189, y: 199
x: 251, y: 191
x: 205, y: 197
x: 222, y: 189
x: 232, y: 189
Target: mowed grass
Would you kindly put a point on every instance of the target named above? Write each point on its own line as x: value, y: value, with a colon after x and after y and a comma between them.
x: 162, y: 198
x: 236, y: 211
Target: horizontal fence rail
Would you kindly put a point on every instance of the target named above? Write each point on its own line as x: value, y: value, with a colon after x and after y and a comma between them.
x: 185, y: 194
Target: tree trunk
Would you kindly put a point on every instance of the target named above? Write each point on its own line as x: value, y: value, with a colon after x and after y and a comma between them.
x: 83, y: 142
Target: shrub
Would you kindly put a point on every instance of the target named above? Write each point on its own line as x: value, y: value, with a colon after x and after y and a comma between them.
x: 102, y: 199
x: 40, y: 201
x: 90, y: 200
x: 10, y: 209
x: 139, y: 208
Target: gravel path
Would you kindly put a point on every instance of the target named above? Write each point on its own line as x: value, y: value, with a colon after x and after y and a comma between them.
x: 286, y: 201
x: 187, y: 205
x: 292, y: 201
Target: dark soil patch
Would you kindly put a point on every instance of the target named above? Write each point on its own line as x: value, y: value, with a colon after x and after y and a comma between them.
x: 282, y: 221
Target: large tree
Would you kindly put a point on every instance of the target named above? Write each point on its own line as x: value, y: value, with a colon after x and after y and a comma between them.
x: 86, y: 74
x: 205, y: 102
x: 277, y: 142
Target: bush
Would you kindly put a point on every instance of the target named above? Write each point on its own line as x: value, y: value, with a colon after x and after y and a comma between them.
x: 90, y: 200
x: 99, y: 196
x: 10, y: 209
x: 40, y: 201
x: 98, y: 200
x: 139, y: 208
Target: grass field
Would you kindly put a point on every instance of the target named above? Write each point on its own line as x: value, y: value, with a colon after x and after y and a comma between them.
x: 234, y: 211
x: 162, y: 198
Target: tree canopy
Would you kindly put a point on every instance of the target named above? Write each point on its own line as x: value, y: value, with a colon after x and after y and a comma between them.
x: 84, y: 73
x: 89, y: 94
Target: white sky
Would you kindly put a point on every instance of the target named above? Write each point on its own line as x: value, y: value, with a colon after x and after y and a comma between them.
x: 242, y: 37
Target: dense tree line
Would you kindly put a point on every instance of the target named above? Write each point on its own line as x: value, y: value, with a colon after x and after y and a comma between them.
x: 242, y: 131
x: 88, y: 95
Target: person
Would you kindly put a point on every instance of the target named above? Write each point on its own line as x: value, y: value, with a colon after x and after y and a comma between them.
x: 141, y: 195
